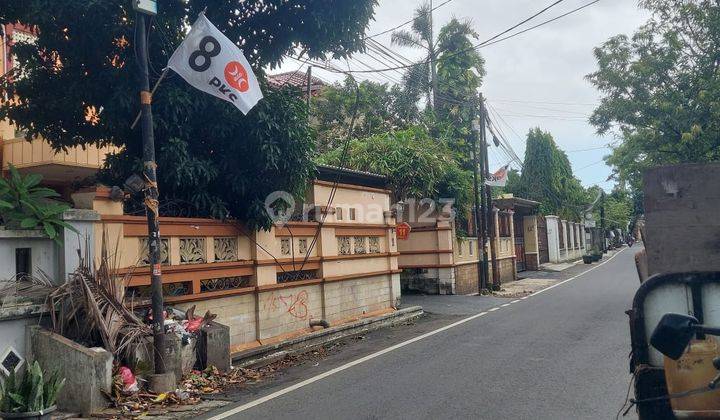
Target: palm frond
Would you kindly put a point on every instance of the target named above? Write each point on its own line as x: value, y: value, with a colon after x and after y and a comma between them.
x: 404, y: 38
x: 92, y: 305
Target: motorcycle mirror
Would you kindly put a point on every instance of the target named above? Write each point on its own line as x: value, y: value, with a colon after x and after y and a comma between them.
x: 673, y: 334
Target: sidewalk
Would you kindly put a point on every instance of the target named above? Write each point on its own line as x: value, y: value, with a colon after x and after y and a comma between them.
x: 530, y: 282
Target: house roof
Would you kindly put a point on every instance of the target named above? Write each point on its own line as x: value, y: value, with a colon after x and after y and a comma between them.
x: 350, y: 176
x: 294, y: 78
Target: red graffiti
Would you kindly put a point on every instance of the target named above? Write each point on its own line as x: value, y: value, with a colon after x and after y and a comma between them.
x: 295, y: 304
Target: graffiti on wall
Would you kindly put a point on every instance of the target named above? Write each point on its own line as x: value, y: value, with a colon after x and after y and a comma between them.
x: 294, y: 304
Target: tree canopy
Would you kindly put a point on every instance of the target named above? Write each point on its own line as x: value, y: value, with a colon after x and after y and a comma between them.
x: 380, y: 108
x: 547, y: 177
x: 417, y: 165
x: 661, y: 88
x: 210, y: 156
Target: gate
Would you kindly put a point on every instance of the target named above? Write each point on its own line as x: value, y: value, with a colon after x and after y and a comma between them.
x: 542, y: 240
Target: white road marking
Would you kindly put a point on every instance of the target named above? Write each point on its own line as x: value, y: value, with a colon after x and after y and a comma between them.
x: 515, y: 301
x: 504, y: 305
x: 379, y: 353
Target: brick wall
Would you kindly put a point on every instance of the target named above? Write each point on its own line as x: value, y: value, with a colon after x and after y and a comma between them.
x: 237, y: 312
x: 347, y: 299
x: 466, y: 279
x: 287, y: 310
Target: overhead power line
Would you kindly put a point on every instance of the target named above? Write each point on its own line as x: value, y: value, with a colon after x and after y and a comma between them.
x: 406, y: 22
x: 483, y: 43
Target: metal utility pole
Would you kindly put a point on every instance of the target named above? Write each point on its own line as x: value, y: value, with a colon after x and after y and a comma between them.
x: 309, y: 85
x: 484, y: 197
x: 482, y: 283
x: 489, y: 219
x: 151, y: 196
x: 602, y: 222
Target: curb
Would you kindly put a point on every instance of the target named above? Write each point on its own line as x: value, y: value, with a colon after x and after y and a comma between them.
x: 269, y: 353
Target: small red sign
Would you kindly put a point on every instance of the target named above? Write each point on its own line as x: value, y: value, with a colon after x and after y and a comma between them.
x: 403, y: 230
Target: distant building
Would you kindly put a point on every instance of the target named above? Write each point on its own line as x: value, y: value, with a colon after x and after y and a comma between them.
x: 297, y: 79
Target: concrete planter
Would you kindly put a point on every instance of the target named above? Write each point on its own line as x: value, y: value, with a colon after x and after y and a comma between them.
x: 87, y: 371
x: 42, y: 414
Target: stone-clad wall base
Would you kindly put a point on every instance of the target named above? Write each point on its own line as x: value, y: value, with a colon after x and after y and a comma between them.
x: 506, y: 267
x: 466, y: 279
x: 431, y: 281
x: 289, y: 310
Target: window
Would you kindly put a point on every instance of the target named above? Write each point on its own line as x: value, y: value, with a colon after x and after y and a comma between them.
x: 302, y: 246
x: 343, y: 245
x: 374, y: 242
x: 351, y: 212
x: 460, y: 247
x: 23, y: 267
x: 360, y: 245
x: 285, y: 246
x: 338, y: 213
x: 470, y: 247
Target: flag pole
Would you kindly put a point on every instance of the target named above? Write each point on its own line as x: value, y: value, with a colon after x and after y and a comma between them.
x: 152, y: 92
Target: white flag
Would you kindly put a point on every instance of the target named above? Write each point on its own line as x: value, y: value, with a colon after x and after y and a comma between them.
x: 499, y: 178
x: 209, y: 61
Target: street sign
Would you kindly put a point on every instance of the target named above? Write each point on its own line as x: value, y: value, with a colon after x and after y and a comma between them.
x: 149, y: 7
x: 403, y: 230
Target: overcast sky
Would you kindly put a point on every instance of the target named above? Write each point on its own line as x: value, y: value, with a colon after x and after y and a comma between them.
x: 537, y: 78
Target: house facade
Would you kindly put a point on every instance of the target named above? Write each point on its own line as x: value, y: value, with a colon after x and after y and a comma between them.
x: 435, y: 259
x: 58, y: 168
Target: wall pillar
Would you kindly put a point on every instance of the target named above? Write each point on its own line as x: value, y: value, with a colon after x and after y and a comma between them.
x: 76, y: 244
x: 553, y: 232
x: 530, y: 236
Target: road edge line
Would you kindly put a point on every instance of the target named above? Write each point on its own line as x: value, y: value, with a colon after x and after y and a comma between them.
x: 321, y: 376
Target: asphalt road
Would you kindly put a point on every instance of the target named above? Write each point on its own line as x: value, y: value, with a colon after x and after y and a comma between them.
x: 559, y: 354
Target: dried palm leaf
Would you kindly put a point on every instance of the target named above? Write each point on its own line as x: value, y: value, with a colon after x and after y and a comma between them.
x: 92, y: 304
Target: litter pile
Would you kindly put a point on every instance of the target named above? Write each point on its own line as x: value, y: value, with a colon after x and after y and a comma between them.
x: 129, y: 401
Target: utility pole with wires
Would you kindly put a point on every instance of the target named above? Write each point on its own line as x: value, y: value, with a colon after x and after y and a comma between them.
x: 602, y: 222
x: 478, y: 126
x: 488, y: 217
x: 484, y: 201
x: 309, y: 86
x: 161, y: 381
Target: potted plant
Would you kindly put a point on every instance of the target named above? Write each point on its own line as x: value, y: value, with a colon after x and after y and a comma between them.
x: 31, y: 398
x: 596, y: 254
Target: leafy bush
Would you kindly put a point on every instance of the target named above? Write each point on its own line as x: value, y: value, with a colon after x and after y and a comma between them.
x: 33, y: 393
x: 24, y: 204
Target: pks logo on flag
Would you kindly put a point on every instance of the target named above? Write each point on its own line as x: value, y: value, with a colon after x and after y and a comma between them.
x: 209, y: 61
x: 498, y: 179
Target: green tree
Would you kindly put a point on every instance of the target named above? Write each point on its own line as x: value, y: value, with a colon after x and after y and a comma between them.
x: 380, y: 108
x: 547, y: 177
x: 417, y: 165
x: 421, y: 77
x: 460, y: 73
x: 79, y: 86
x: 661, y: 90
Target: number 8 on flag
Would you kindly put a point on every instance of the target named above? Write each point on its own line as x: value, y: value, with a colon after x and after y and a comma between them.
x: 209, y: 61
